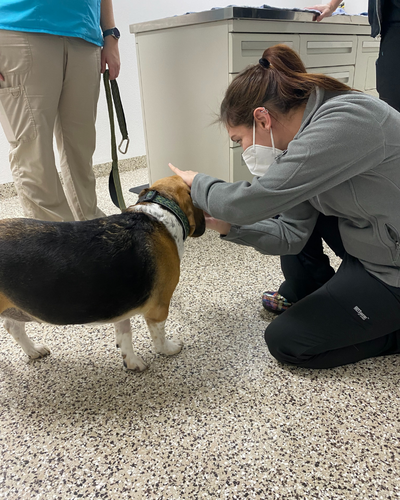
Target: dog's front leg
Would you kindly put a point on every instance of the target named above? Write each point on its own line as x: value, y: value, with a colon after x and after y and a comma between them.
x: 17, y: 330
x: 161, y: 344
x: 123, y: 337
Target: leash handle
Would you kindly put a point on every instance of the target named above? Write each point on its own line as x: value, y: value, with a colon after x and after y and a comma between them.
x: 120, y: 115
x: 114, y: 182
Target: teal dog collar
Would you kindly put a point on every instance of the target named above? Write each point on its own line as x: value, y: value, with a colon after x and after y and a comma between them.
x: 155, y: 197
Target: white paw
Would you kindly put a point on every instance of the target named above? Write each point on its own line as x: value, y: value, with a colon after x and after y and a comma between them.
x: 171, y: 347
x: 132, y: 362
x: 37, y: 351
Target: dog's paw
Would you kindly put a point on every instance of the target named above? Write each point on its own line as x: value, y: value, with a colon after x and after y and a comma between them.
x: 132, y: 362
x: 171, y: 347
x: 36, y: 351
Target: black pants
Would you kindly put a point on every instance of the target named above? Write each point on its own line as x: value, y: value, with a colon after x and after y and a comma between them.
x: 309, y: 270
x: 387, y: 66
x: 350, y: 317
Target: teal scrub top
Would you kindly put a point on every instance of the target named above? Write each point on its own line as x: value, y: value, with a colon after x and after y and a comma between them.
x: 77, y: 18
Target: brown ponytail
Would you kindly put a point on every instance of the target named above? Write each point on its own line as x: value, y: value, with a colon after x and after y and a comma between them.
x: 282, y: 86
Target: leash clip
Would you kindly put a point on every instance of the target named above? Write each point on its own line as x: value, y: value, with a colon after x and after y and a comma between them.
x: 149, y: 196
x: 126, y: 147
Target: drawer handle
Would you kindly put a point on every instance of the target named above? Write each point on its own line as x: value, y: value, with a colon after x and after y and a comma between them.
x: 329, y: 45
x: 261, y: 46
x: 343, y: 76
x: 371, y: 45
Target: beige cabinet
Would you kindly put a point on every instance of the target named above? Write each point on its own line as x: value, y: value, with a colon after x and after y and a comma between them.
x: 367, y: 53
x: 186, y: 63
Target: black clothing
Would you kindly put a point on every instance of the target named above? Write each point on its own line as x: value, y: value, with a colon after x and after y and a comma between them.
x: 310, y: 269
x: 388, y: 68
x: 375, y: 10
x: 336, y: 318
x: 390, y: 13
x: 384, y: 18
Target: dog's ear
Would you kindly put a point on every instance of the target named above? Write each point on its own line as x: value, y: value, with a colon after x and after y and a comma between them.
x: 197, y: 222
x: 200, y: 222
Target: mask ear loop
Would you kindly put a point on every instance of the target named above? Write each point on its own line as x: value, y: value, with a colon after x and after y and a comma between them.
x: 272, y: 137
x: 272, y: 140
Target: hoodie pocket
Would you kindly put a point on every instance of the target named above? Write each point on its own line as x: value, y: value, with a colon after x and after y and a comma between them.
x: 16, y: 116
x: 395, y: 239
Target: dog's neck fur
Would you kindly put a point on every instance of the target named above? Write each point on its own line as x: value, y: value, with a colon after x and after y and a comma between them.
x: 168, y: 219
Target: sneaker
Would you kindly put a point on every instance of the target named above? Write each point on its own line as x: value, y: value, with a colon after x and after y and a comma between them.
x: 274, y: 302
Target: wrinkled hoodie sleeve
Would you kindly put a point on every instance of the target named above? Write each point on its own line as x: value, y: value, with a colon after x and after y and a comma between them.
x: 283, y: 236
x: 341, y: 140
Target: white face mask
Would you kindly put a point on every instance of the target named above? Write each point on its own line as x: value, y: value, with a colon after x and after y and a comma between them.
x: 259, y: 158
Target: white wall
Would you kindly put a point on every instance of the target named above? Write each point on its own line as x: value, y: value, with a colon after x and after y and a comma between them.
x: 133, y: 11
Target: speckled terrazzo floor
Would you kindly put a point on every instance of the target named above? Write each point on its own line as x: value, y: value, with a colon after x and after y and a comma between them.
x: 221, y: 420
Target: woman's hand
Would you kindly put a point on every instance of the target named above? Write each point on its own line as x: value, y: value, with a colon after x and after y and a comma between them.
x: 218, y: 225
x: 187, y: 175
x: 326, y: 11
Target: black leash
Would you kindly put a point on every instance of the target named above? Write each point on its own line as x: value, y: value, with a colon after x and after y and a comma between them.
x: 114, y: 182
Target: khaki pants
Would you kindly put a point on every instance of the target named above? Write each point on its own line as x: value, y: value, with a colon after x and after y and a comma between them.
x: 51, y: 86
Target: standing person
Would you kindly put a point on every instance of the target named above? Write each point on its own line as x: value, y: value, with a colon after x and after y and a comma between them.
x: 384, y: 18
x: 51, y: 56
x: 339, y: 168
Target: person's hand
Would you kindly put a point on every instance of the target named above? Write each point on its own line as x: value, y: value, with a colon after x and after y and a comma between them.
x: 326, y: 11
x: 110, y: 57
x: 218, y: 225
x: 187, y: 175
x: 1, y: 78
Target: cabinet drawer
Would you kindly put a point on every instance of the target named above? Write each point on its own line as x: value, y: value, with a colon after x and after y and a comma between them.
x: 370, y: 74
x: 368, y: 46
x: 367, y: 54
x: 238, y: 168
x: 328, y: 50
x: 248, y: 48
x: 344, y: 74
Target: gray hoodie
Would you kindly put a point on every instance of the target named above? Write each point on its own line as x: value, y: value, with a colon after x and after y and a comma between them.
x: 344, y: 161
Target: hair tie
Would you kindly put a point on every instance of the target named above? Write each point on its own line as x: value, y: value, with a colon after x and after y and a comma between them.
x: 264, y: 63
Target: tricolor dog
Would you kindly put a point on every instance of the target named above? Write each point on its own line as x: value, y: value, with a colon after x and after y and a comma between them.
x: 99, y: 271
